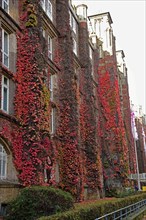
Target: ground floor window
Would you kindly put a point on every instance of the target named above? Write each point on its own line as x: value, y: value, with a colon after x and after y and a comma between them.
x: 3, y: 162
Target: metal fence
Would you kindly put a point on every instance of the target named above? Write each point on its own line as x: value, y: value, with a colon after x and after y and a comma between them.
x: 142, y: 176
x: 126, y: 212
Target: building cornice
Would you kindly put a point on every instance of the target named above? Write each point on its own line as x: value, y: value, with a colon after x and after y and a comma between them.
x: 8, y: 21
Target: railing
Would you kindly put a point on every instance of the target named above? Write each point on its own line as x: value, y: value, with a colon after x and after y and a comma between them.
x: 126, y: 212
x: 142, y: 176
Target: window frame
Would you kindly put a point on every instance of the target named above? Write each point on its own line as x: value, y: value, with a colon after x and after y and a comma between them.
x: 3, y: 162
x: 75, y: 47
x: 50, y: 47
x: 51, y: 87
x: 3, y: 87
x: 73, y: 23
x: 3, y: 48
x: 90, y: 53
x: 3, y: 5
x: 52, y: 121
x: 100, y: 52
x: 47, y: 7
x: 49, y: 12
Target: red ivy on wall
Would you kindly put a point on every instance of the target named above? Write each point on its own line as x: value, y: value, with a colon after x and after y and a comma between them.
x: 69, y: 158
x: 112, y: 131
x: 33, y: 147
x: 89, y: 144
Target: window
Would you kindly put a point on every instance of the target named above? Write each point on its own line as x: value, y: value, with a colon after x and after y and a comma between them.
x: 90, y: 52
x: 73, y: 23
x: 100, y: 51
x: 50, y: 47
x: 5, y: 48
x: 47, y: 7
x: 5, y: 5
x: 3, y: 162
x: 74, y: 46
x: 110, y: 37
x: 5, y: 94
x: 51, y: 86
x: 52, y: 127
x: 43, y: 33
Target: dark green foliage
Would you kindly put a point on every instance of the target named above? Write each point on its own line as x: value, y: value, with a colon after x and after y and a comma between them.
x: 121, y: 193
x: 93, y: 211
x: 37, y: 201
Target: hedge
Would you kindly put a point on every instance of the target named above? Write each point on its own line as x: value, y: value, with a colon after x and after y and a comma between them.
x: 93, y: 211
x: 34, y: 202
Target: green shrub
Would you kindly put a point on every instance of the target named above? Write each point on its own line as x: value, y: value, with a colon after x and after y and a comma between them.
x: 121, y: 192
x: 37, y: 201
x: 126, y: 192
x: 93, y: 211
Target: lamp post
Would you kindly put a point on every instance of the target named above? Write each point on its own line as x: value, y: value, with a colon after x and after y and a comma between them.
x: 136, y: 156
x: 137, y: 167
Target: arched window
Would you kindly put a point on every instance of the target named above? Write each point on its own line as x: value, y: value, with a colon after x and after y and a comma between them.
x: 3, y: 162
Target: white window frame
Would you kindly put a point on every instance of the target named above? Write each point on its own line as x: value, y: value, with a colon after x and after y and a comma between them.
x: 50, y: 47
x: 47, y: 7
x: 3, y: 162
x: 5, y: 3
x: 5, y: 53
x: 100, y: 51
x: 3, y: 87
x: 52, y: 126
x: 43, y: 32
x: 90, y: 52
x: 51, y: 87
x: 73, y: 23
x: 75, y: 46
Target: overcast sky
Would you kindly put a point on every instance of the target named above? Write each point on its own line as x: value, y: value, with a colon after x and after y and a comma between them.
x: 129, y: 29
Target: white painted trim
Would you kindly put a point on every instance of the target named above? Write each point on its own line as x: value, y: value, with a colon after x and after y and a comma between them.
x: 50, y: 47
x: 3, y: 154
x: 3, y: 52
x: 2, y: 93
x: 7, y: 3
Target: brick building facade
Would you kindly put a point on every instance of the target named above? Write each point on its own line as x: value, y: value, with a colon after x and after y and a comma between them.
x: 55, y: 127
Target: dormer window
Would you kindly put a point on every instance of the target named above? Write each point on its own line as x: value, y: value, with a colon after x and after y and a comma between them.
x: 5, y: 5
